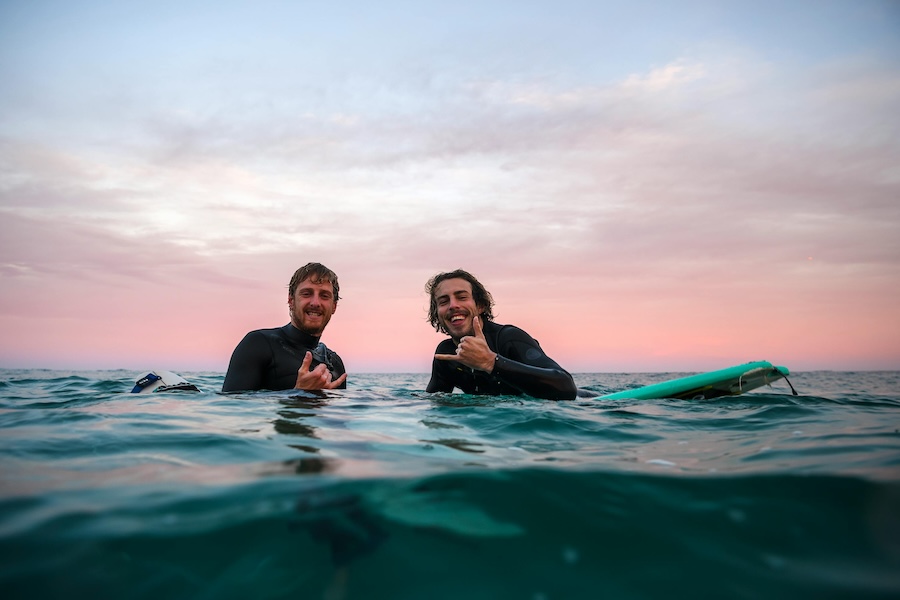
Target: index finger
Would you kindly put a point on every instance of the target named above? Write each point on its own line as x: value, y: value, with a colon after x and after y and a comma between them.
x: 447, y: 356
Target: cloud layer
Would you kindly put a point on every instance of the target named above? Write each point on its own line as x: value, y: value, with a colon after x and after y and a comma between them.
x: 706, y: 205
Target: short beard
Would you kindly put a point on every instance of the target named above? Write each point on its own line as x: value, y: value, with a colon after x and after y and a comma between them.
x: 455, y: 339
x: 296, y: 323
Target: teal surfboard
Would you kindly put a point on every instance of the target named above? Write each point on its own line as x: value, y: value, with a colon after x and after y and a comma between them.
x: 724, y: 382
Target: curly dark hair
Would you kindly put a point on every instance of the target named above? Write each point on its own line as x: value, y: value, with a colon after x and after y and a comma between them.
x: 317, y: 273
x: 480, y: 295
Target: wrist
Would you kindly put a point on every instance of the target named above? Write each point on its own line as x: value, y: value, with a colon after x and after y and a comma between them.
x: 493, y: 364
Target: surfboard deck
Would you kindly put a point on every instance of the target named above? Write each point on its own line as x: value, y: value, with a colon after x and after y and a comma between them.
x: 162, y: 381
x: 724, y: 382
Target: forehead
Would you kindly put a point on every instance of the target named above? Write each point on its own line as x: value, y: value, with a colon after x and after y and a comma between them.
x: 312, y: 283
x: 451, y: 287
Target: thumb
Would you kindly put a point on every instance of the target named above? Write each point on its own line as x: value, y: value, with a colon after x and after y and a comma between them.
x: 479, y: 328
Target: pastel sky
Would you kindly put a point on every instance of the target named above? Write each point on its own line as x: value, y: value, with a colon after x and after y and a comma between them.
x: 643, y: 186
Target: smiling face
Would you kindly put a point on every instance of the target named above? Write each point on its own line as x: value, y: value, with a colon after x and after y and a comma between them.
x: 311, y: 306
x: 456, y: 307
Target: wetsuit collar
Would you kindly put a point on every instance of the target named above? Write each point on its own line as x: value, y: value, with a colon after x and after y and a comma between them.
x: 299, y: 337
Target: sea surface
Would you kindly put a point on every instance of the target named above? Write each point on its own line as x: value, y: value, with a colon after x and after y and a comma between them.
x: 383, y: 491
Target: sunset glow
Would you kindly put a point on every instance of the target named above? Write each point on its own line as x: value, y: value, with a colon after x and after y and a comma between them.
x: 657, y: 187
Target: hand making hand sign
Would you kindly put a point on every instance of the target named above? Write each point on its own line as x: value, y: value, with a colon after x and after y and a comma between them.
x: 316, y: 379
x: 461, y: 307
x: 473, y: 350
x: 279, y: 358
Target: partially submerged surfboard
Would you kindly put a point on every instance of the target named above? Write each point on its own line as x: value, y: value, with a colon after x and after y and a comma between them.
x: 162, y: 381
x: 724, y: 382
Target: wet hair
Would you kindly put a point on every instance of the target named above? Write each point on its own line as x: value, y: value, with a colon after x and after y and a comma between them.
x: 480, y: 295
x: 317, y: 273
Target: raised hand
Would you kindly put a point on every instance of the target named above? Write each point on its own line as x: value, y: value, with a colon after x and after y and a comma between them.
x: 473, y: 350
x: 316, y: 379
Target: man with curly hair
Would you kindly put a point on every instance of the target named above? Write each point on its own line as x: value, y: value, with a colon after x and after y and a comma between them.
x: 484, y: 357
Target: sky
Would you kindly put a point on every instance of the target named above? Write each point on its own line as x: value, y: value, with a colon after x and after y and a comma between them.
x: 642, y: 186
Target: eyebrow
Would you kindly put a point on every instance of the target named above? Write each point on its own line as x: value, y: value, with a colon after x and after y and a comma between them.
x: 457, y: 293
x: 313, y: 288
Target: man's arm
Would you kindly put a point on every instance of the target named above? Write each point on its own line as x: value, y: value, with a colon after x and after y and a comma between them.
x: 522, y: 364
x: 247, y: 366
x: 519, y: 362
x: 550, y: 383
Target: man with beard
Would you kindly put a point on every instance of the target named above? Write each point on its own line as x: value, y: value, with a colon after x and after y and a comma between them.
x: 292, y: 357
x: 483, y: 357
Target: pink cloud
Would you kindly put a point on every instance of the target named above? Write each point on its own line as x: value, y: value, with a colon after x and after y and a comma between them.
x: 676, y: 220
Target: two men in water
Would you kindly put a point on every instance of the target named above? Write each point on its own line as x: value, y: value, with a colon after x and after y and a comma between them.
x: 480, y: 357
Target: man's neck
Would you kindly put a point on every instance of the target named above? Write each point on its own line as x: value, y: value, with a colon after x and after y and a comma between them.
x: 296, y: 332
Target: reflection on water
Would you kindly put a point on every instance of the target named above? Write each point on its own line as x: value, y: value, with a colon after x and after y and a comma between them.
x: 316, y: 399
x: 290, y: 427
x: 457, y: 444
x: 290, y: 423
x: 342, y: 521
x: 435, y: 424
x: 313, y: 465
x: 304, y: 448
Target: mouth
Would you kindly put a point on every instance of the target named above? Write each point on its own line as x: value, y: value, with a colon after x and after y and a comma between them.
x: 457, y: 319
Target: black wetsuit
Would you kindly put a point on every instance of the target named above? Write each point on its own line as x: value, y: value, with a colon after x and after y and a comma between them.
x: 521, y: 368
x: 268, y: 359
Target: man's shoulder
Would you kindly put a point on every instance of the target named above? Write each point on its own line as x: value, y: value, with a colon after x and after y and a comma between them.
x: 445, y: 346
x: 501, y: 328
x: 261, y: 338
x: 510, y: 333
x: 264, y: 333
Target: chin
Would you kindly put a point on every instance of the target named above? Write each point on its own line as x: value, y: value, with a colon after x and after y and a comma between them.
x: 461, y: 334
x: 314, y: 331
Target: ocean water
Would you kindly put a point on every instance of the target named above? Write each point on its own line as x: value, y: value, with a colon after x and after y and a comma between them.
x: 382, y: 491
